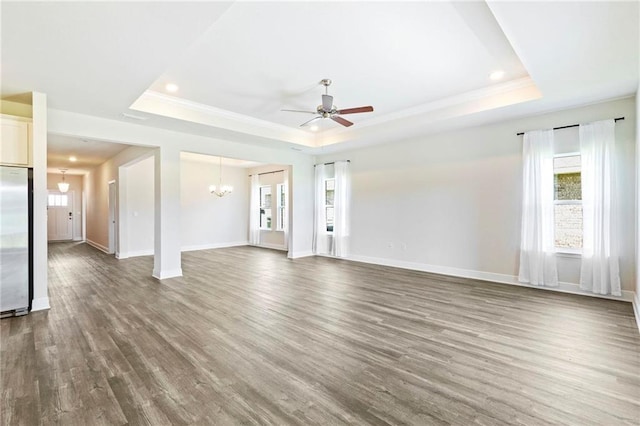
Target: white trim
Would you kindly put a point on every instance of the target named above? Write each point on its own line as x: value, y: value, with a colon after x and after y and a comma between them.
x: 563, y: 287
x: 271, y: 246
x: 98, y: 246
x: 214, y: 246
x: 161, y: 275
x: 636, y: 308
x: 485, y: 93
x: 137, y: 253
x: 219, y: 112
x: 40, y: 304
x: 300, y: 254
x: 170, y: 106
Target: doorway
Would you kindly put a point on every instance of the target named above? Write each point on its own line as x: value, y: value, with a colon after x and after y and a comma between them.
x: 60, y: 216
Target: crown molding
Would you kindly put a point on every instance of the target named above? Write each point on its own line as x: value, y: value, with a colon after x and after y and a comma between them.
x: 494, y: 96
x: 182, y: 109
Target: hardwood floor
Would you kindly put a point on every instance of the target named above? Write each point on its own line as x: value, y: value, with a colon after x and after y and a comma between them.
x: 250, y: 337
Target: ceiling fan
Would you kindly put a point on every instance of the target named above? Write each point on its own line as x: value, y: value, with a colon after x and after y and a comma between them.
x: 329, y: 110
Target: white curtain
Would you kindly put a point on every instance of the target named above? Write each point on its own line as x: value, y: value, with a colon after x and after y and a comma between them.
x: 600, y: 270
x: 340, y: 246
x: 537, y: 251
x: 285, y: 214
x: 320, y: 235
x: 254, y: 211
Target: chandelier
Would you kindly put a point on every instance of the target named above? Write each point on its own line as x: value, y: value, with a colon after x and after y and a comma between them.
x: 220, y: 190
x: 63, y: 186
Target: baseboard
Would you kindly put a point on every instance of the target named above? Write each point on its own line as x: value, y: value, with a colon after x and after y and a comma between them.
x: 214, y: 246
x: 563, y: 287
x: 77, y: 239
x: 272, y: 246
x: 636, y: 308
x: 40, y: 304
x: 137, y: 253
x: 299, y: 254
x: 161, y: 275
x: 98, y: 246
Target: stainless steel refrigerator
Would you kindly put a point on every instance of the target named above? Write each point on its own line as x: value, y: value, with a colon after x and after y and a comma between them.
x: 16, y: 257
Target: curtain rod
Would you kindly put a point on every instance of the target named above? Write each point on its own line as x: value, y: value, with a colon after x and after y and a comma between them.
x: 268, y: 173
x: 333, y: 162
x: 571, y: 125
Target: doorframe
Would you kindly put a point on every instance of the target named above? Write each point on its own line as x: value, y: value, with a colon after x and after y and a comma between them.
x: 112, y: 206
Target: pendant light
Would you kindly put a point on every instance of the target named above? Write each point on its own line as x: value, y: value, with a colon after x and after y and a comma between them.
x: 220, y: 190
x: 63, y: 186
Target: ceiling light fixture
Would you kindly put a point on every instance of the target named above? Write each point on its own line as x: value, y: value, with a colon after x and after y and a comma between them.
x: 496, y: 75
x: 73, y: 159
x: 220, y: 190
x: 171, y: 87
x: 314, y: 128
x: 63, y: 186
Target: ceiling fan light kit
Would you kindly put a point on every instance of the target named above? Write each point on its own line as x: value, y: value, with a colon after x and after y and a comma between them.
x: 328, y: 110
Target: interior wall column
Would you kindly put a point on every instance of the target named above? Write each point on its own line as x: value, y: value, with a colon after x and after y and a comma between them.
x: 166, y: 260
x: 40, y: 277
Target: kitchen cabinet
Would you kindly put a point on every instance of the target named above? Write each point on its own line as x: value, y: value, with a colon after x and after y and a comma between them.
x: 16, y: 146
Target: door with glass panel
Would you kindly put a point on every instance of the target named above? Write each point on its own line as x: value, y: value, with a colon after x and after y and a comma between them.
x: 59, y: 216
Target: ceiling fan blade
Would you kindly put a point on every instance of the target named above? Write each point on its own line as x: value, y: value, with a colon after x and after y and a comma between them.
x: 355, y: 110
x: 312, y: 120
x: 297, y: 110
x: 345, y: 123
x: 327, y: 102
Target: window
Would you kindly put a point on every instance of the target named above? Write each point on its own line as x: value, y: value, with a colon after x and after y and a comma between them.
x: 567, y: 203
x: 329, y: 192
x: 281, y: 191
x: 58, y: 200
x: 265, y: 207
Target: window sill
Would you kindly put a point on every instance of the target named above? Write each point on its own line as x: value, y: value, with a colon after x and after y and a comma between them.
x: 569, y: 254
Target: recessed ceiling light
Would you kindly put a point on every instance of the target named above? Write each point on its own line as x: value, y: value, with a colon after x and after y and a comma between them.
x: 171, y: 87
x: 314, y: 128
x: 73, y: 159
x: 496, y: 75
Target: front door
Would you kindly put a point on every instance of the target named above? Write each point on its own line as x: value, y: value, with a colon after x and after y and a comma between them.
x: 59, y: 216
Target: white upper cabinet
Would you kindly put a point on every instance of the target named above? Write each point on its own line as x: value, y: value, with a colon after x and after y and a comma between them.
x: 15, y: 141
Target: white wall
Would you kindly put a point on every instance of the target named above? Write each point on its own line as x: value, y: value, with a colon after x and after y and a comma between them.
x: 75, y: 187
x: 40, y: 249
x: 97, y: 195
x: 451, y: 202
x: 138, y: 208
x: 271, y: 238
x: 209, y: 221
x: 637, y: 217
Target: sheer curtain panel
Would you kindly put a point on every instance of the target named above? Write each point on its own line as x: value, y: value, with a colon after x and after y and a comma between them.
x: 537, y: 251
x: 600, y: 270
x: 254, y: 211
x: 320, y: 235
x: 340, y: 246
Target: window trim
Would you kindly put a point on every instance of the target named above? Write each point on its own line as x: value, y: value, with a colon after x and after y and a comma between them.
x: 567, y: 251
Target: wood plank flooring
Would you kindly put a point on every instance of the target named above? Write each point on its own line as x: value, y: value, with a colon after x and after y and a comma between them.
x: 250, y: 337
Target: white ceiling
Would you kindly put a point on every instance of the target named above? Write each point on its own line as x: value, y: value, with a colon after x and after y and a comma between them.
x: 88, y: 153
x: 424, y: 66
